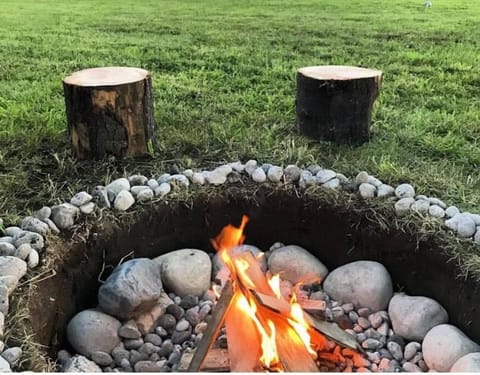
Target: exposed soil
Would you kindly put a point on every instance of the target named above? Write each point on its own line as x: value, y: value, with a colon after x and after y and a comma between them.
x: 336, y: 234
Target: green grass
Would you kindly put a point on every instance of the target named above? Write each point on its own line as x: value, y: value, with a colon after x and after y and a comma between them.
x: 224, y: 83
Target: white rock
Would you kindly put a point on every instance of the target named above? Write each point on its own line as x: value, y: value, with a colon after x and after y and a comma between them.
x: 467, y: 363
x: 437, y: 202
x: 51, y: 225
x: 445, y: 344
x: 2, y: 325
x: 237, y: 166
x: 35, y: 240
x: 13, y: 266
x: 13, y: 231
x: 421, y: 206
x: 33, y: 259
x: 362, y: 178
x: 402, y: 206
x: 405, y: 191
x: 91, y: 331
x: 363, y: 283
x: 306, y: 179
x: 118, y: 185
x: 163, y: 178
x: 198, y: 178
x: 374, y: 181
x: 366, y: 190
x: 33, y: 224
x: 123, y: 201
x: 137, y: 179
x: 145, y: 195
x: 275, y: 173
x: 250, y: 166
x: 215, y: 177
x: 476, y: 237
x: 452, y: 211
x: 474, y: 217
x: 79, y: 363
x: 64, y: 215
x: 224, y: 169
x: 163, y: 189
x: 81, y: 198
x: 294, y: 264
x: 12, y: 355
x: 259, y: 175
x: 413, y: 316
x: 179, y: 181
x: 7, y: 248
x: 4, y: 365
x: 152, y: 183
x: 332, y: 184
x: 385, y: 190
x: 185, y: 271
x: 342, y: 178
x: 9, y: 282
x: 436, y: 211
x: 188, y: 173
x: 7, y: 239
x: 463, y: 224
x: 22, y: 251
x: 87, y: 208
x: 135, y: 190
x: 326, y: 175
x: 292, y: 173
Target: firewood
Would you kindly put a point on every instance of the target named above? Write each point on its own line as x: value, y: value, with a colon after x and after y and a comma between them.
x: 216, y: 360
x: 214, y: 325
x: 312, y: 305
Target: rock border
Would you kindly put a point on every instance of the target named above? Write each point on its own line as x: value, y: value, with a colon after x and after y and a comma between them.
x: 21, y: 246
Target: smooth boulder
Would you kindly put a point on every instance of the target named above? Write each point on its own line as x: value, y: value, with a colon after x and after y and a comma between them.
x: 444, y: 345
x: 468, y: 363
x: 363, y: 283
x: 296, y: 264
x: 132, y: 288
x: 185, y: 271
x: 91, y: 330
x: 413, y: 316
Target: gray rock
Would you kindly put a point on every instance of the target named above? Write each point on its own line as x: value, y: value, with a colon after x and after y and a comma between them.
x: 216, y: 177
x: 421, y: 206
x: 362, y: 178
x: 437, y: 202
x: 259, y: 175
x: 179, y: 337
x: 314, y: 169
x: 255, y: 251
x: 266, y: 167
x: 411, y: 367
x: 13, y: 231
x: 148, y: 366
x: 90, y: 331
x: 145, y: 195
x: 326, y: 175
x: 118, y: 185
x: 33, y: 259
x: 81, y: 198
x: 366, y: 190
x: 163, y: 178
x: 12, y: 355
x: 148, y: 348
x: 452, y: 211
x: 306, y: 179
x: 12, y: 266
x: 129, y: 330
x: 63, y: 356
x: 467, y: 363
x: 185, y: 271
x: 35, y: 240
x: 237, y: 166
x: 250, y: 166
x: 119, y: 353
x: 132, y: 288
x: 133, y: 344
x: 332, y: 184
x: 402, y: 206
x: 371, y: 344
x: 474, y: 217
x: 198, y: 178
x: 43, y: 213
x: 51, y: 225
x: 363, y: 283
x: 137, y: 179
x: 163, y: 189
x: 476, y: 237
x: 135, y: 190
x: 101, y: 358
x: 292, y: 173
x: 411, y: 349
x: 9, y: 282
x: 342, y: 178
x: 385, y: 190
x: 153, y: 339
x: 79, y: 363
x: 123, y: 201
x: 374, y: 181
x: 375, y: 320
x: 275, y: 173
x: 32, y: 224
x: 445, y: 344
x: 295, y: 264
x: 87, y: 208
x: 64, y: 215
x: 436, y: 211
x: 405, y: 191
x: 182, y: 325
x: 152, y: 184
x: 413, y: 316
x: 100, y: 197
x: 187, y: 173
x: 167, y: 321
x: 462, y: 224
x: 363, y: 322
x: 395, y: 349
x: 6, y: 239
x: 7, y: 248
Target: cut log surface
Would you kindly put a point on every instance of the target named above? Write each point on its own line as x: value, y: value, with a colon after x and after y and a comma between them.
x: 110, y: 112
x: 334, y: 103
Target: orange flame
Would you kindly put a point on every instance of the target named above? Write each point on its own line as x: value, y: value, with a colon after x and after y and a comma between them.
x: 247, y: 276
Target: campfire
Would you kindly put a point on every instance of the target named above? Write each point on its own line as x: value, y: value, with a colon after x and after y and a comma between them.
x: 269, y: 328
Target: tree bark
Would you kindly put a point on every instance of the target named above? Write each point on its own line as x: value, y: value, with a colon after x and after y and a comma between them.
x: 110, y: 112
x: 334, y: 103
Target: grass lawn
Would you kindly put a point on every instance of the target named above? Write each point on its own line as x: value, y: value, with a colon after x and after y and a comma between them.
x: 224, y: 82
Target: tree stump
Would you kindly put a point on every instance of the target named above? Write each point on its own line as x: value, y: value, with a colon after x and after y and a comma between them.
x: 110, y: 112
x: 334, y: 103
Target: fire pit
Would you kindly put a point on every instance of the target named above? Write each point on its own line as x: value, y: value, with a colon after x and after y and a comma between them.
x: 334, y: 228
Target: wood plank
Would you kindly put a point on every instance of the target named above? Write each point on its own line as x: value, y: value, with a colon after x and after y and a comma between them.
x: 218, y: 316
x: 216, y: 361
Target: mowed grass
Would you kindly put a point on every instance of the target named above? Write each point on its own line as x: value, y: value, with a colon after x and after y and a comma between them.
x: 224, y: 83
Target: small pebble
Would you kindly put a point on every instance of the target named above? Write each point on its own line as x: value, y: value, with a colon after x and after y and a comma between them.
x: 411, y: 349
x: 411, y: 367
x: 182, y: 325
x: 133, y: 343
x: 371, y: 344
x: 395, y: 349
x: 363, y: 322
x: 153, y: 338
x: 364, y: 312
